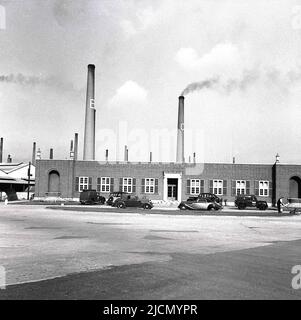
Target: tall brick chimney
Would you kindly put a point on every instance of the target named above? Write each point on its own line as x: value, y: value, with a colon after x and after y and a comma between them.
x: 1, y: 150
x: 33, y: 157
x: 89, y: 138
x: 180, y: 131
x: 75, y: 146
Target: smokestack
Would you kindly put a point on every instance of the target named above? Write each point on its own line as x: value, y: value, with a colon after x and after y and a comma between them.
x: 1, y: 150
x: 9, y: 159
x: 71, y: 150
x: 75, y: 146
x: 51, y: 154
x: 180, y: 133
x: 150, y: 157
x: 125, y: 153
x: 107, y: 155
x: 33, y: 158
x: 89, y: 138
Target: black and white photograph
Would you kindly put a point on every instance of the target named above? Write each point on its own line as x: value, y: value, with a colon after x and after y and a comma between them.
x: 150, y: 150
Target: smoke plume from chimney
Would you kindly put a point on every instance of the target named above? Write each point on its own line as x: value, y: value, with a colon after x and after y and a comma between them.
x: 195, y: 86
x: 49, y: 81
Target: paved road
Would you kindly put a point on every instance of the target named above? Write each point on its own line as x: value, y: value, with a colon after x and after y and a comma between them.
x: 109, y: 255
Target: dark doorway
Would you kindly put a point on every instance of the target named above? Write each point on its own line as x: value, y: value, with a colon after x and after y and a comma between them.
x: 54, y: 181
x: 172, y: 189
x: 295, y: 187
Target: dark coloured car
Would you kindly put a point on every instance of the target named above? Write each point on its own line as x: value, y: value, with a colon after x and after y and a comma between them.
x: 129, y: 200
x: 199, y: 204
x: 210, y: 196
x: 115, y: 195
x: 192, y: 198
x: 91, y: 197
x: 244, y: 201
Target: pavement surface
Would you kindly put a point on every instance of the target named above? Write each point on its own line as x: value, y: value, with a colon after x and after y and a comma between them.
x: 67, y: 254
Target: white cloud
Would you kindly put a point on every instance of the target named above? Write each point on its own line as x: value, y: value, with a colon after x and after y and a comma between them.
x: 224, y: 60
x: 143, y: 19
x: 187, y: 58
x: 128, y: 27
x: 146, y: 17
x: 130, y: 93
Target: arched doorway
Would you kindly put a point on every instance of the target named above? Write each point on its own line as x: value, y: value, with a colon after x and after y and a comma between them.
x: 53, y: 181
x: 295, y: 187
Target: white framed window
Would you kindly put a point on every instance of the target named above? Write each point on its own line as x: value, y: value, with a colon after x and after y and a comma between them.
x: 149, y: 185
x: 103, y: 184
x: 83, y: 183
x: 264, y: 188
x: 218, y: 187
x: 240, y: 187
x: 127, y: 185
x: 195, y: 186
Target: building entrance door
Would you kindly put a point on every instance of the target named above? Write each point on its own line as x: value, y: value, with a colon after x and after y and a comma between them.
x: 172, y: 189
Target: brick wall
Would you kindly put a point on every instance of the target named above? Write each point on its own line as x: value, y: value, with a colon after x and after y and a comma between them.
x: 283, y: 173
x: 69, y: 169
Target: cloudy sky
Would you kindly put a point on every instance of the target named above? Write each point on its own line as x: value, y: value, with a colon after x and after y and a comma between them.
x: 238, y: 63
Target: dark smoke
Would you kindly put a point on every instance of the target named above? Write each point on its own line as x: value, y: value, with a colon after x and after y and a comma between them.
x: 23, y: 80
x: 249, y: 77
x: 229, y: 85
x: 195, y: 86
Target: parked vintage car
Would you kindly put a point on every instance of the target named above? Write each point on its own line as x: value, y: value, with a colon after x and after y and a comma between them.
x: 199, y: 204
x: 210, y: 196
x: 293, y: 205
x: 91, y: 197
x: 244, y: 201
x: 129, y: 200
x: 115, y: 195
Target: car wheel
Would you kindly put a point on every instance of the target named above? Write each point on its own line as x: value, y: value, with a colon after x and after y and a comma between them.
x: 210, y: 208
x: 262, y: 208
x: 146, y: 206
x: 121, y: 205
x: 241, y: 207
x: 182, y: 207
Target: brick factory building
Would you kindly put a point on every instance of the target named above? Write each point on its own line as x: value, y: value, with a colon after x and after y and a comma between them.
x: 167, y: 181
x: 159, y: 181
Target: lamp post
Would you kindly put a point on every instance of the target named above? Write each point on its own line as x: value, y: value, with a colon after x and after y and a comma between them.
x: 28, y: 177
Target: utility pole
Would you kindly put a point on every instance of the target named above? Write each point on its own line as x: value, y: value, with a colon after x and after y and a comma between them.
x: 29, y: 175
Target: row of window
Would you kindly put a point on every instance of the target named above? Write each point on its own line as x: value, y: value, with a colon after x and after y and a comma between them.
x: 219, y: 187
x: 194, y: 186
x: 106, y: 184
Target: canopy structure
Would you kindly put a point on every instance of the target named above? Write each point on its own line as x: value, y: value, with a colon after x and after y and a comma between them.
x: 14, y: 178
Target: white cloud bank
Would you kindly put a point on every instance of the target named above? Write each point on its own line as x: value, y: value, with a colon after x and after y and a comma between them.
x: 223, y: 60
x: 130, y: 93
x: 142, y: 19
